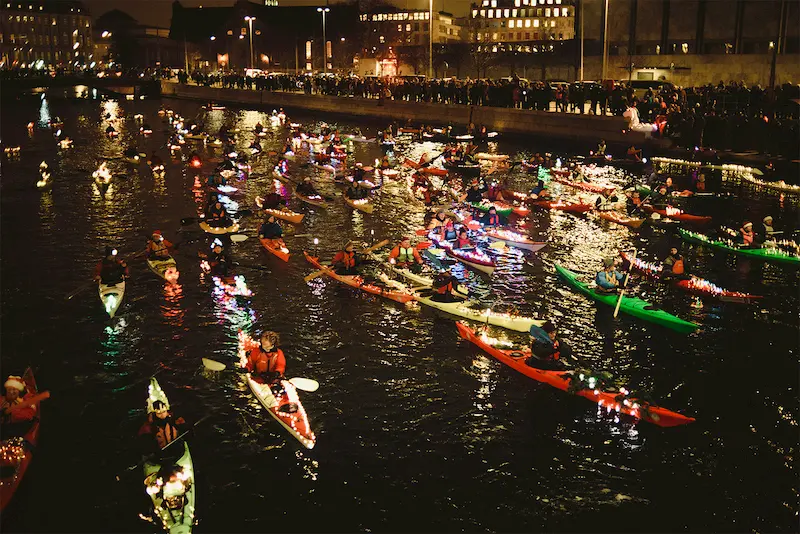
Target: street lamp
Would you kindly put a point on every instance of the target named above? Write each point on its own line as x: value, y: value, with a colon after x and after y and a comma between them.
x: 250, y: 20
x: 430, y: 40
x: 324, y: 10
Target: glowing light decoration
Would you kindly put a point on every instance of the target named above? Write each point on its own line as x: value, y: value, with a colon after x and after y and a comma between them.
x: 12, y: 451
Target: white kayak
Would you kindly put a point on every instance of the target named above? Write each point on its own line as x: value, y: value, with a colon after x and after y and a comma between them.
x: 173, y: 500
x: 166, y: 269
x: 420, y: 280
x: 216, y: 230
x: 491, y: 157
x: 485, y: 315
x: 111, y: 296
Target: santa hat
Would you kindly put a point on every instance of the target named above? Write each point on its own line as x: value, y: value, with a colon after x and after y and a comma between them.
x: 157, y: 232
x: 746, y: 224
x: 15, y: 382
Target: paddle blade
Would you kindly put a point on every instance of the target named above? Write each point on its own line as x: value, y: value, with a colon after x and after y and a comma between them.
x: 315, y: 274
x: 422, y: 232
x: 213, y: 365
x: 238, y: 238
x: 305, y: 384
x: 422, y: 245
x: 498, y: 245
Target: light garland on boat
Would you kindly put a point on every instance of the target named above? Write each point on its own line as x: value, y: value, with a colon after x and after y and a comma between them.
x: 507, y: 235
x: 646, y: 266
x: 672, y: 161
x: 772, y: 250
x: 780, y: 185
x: 669, y: 210
x: 496, y: 342
x: 360, y: 201
x: 237, y: 289
x: 708, y: 287
x: 12, y: 451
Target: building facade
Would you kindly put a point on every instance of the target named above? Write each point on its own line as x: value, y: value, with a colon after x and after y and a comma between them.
x: 521, y: 21
x: 45, y: 33
x: 409, y: 28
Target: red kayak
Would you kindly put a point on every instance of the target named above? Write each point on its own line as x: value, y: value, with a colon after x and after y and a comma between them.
x: 586, y: 186
x: 571, y: 207
x: 358, y: 282
x: 678, y: 215
x: 276, y: 247
x: 619, y: 218
x: 616, y: 401
x: 18, y: 451
x: 694, y: 285
x: 435, y: 171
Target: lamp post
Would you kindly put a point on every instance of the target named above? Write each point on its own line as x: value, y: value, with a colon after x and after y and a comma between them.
x: 324, y: 10
x: 250, y: 20
x: 430, y: 39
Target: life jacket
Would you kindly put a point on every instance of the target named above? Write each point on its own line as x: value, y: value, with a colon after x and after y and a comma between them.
x: 159, y: 249
x: 164, y: 430
x: 444, y: 288
x: 463, y: 242
x: 265, y: 362
x: 677, y: 266
x: 403, y: 255
x: 449, y: 233
x: 492, y: 220
x: 701, y: 186
x: 348, y: 259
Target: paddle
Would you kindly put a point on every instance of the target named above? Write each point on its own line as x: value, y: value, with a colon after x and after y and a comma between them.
x: 624, y: 284
x: 316, y: 274
x: 303, y: 384
x: 254, y: 267
x: 31, y: 401
x: 165, y: 447
x: 238, y: 238
x: 80, y: 289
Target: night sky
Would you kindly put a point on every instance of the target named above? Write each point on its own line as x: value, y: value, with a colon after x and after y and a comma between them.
x: 159, y: 12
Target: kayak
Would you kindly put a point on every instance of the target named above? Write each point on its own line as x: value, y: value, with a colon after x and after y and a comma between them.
x: 513, y: 238
x: 173, y: 500
x: 678, y: 215
x: 18, y: 450
x: 491, y: 157
x: 586, y: 186
x: 358, y: 282
x: 366, y: 184
x: 693, y: 285
x: 619, y: 218
x: 111, y: 296
x: 462, y: 308
x: 768, y: 254
x: 281, y: 176
x: 219, y: 230
x: 420, y: 280
x: 284, y: 405
x: 388, y: 173
x: 571, y: 207
x: 166, y: 269
x: 630, y: 305
x: 286, y: 215
x: 462, y: 167
x: 314, y: 200
x: 473, y: 258
x: 610, y: 400
x: 436, y: 171
x: 361, y: 204
x: 503, y: 208
x: 277, y: 247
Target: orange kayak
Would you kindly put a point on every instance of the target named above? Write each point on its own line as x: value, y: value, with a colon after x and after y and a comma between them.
x: 357, y: 282
x: 616, y: 401
x: 277, y: 247
x: 619, y: 218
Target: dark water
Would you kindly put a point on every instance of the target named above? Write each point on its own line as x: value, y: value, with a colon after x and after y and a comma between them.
x: 417, y: 431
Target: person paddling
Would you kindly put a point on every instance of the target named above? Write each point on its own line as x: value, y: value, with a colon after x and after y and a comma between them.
x: 404, y: 255
x: 346, y: 261
x: 267, y: 363
x: 218, y: 260
x: 547, y: 349
x: 162, y: 428
x: 15, y: 422
x: 111, y: 269
x: 217, y: 216
x: 463, y: 241
x: 271, y: 201
x: 601, y: 148
x: 306, y: 188
x: 439, y: 220
x: 673, y: 264
x: 746, y: 235
x: 491, y: 218
x: 765, y: 229
x: 609, y: 280
x: 270, y: 229
x: 539, y: 190
x: 444, y: 284
x: 158, y: 248
x: 633, y: 203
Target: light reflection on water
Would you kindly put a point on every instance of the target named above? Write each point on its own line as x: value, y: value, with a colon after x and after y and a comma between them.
x: 408, y: 416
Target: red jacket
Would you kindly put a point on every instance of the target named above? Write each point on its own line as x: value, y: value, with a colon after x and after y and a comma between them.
x: 409, y: 255
x: 20, y: 415
x: 260, y: 361
x: 348, y: 259
x: 111, y: 270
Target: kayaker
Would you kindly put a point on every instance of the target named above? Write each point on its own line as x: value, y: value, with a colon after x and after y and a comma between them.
x: 495, y: 192
x: 346, y: 260
x: 271, y: 201
x: 670, y: 185
x: 448, y: 231
x: 440, y: 219
x: 539, y: 190
x: 266, y: 363
x: 474, y: 193
x: 443, y: 285
x: 746, y: 235
x: 546, y: 349
x: 404, y: 255
x: 385, y: 163
x: 491, y: 218
x: 270, y: 229
x: 609, y: 280
x: 634, y: 203
x: 601, y: 148
x: 255, y: 146
x: 765, y: 230
x: 358, y: 173
x: 110, y: 131
x: 634, y: 153
x: 15, y: 422
x: 606, y: 201
x: 700, y: 185
x: 218, y: 260
x: 306, y: 188
x: 355, y: 192
x: 158, y: 247
x: 216, y: 180
x: 217, y: 216
x: 283, y: 166
x: 463, y: 241
x: 673, y: 264
x: 111, y: 269
x: 259, y: 128
x: 162, y: 428
x: 660, y: 197
x: 131, y: 152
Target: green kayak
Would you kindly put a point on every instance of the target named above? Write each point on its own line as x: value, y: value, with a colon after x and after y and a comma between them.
x: 502, y: 211
x: 775, y: 255
x: 630, y: 305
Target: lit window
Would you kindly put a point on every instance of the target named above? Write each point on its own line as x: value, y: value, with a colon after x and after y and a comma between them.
x: 399, y: 27
x: 514, y: 12
x: 506, y: 13
x: 408, y: 27
x: 477, y: 37
x: 547, y: 12
x: 538, y: 11
x: 494, y: 36
x: 535, y: 23
x: 494, y: 3
x: 498, y: 13
x: 516, y: 3
x: 510, y: 23
x: 555, y: 12
x: 485, y: 3
x: 491, y: 13
x: 549, y: 1
x: 685, y: 47
x: 474, y: 13
x: 527, y: 23
x: 382, y: 39
x: 558, y: 1
x: 503, y: 36
x: 552, y: 24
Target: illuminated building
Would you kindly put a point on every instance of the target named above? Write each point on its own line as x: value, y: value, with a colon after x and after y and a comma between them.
x: 522, y: 21
x: 45, y: 33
